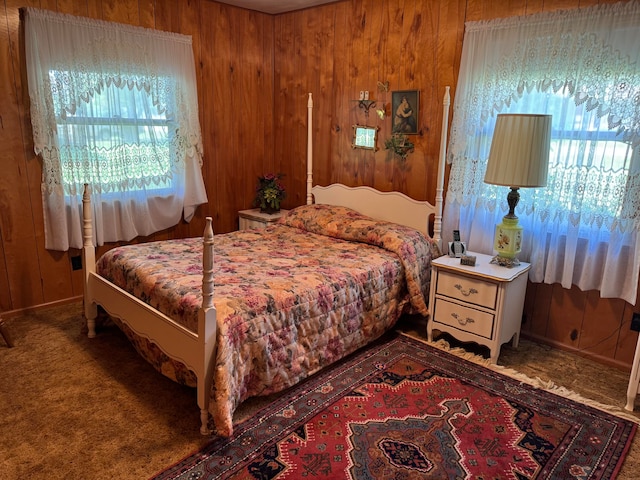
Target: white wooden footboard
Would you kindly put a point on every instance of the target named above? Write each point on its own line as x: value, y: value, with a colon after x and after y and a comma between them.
x: 196, y: 350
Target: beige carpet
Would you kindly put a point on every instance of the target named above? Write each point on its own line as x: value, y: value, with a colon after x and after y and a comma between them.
x: 76, y: 408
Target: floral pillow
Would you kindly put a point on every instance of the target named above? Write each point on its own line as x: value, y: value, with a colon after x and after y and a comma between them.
x: 327, y: 220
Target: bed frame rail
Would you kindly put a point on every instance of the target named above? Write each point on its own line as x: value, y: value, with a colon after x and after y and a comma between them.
x: 196, y: 350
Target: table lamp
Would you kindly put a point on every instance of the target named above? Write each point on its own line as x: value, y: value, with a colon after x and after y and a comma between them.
x: 519, y: 157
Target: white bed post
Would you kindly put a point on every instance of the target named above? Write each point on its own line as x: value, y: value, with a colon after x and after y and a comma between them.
x: 206, y: 328
x: 437, y: 224
x: 88, y: 261
x: 309, y: 149
x: 634, y: 379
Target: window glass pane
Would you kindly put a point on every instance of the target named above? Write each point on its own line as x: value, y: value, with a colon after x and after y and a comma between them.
x: 589, y: 164
x: 116, y: 138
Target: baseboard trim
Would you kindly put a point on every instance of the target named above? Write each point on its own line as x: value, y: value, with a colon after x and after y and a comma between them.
x: 583, y: 353
x: 42, y: 306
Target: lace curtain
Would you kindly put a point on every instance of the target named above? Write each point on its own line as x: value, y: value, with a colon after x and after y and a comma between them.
x: 582, y: 67
x: 114, y: 106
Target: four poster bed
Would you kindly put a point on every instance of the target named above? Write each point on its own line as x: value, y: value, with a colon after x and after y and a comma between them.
x: 277, y: 304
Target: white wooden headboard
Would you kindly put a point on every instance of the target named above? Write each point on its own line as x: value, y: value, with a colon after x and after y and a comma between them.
x: 389, y: 206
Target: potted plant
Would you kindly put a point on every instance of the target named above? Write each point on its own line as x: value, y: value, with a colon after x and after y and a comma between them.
x: 399, y: 144
x: 269, y: 193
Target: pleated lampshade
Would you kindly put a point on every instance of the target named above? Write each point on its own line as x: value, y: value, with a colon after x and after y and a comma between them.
x: 519, y: 154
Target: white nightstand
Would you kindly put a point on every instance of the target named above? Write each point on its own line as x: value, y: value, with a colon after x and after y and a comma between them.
x: 481, y: 304
x: 254, y: 218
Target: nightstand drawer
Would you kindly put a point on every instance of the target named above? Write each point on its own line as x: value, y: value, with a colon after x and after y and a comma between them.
x: 467, y: 289
x: 463, y: 318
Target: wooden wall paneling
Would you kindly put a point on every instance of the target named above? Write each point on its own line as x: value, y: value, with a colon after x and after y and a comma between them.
x: 390, y: 37
x: 355, y: 80
x: 448, y: 57
x: 341, y: 130
x: 5, y: 280
x: 627, y: 339
x: 379, y: 51
x: 122, y: 11
x: 424, y: 161
x: 167, y: 15
x: 264, y: 107
x: 378, y: 23
x: 303, y: 41
x: 554, y: 5
x: 294, y: 163
x: 529, y: 303
x: 596, y: 336
x: 72, y: 7
x: 286, y: 101
x: 281, y: 50
x: 17, y: 226
x: 5, y: 284
x: 246, y: 101
x: 321, y: 86
x: 226, y: 119
x: 94, y: 8
x: 403, y: 176
x: 208, y: 96
x: 365, y: 61
x: 566, y: 316
x: 147, y: 14
x: 478, y: 10
x: 309, y: 43
x: 540, y: 314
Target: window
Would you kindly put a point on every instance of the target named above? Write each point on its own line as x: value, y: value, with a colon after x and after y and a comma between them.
x: 116, y: 141
x: 589, y: 164
x: 582, y: 67
x: 115, y: 107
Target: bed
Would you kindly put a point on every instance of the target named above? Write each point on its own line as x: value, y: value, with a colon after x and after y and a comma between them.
x: 278, y: 304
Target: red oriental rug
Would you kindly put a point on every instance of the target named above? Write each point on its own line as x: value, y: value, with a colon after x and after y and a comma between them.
x: 403, y: 409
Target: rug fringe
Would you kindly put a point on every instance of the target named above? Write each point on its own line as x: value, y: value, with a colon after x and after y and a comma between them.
x: 547, y: 385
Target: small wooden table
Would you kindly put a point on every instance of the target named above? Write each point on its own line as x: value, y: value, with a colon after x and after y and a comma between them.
x: 481, y: 304
x: 254, y: 218
x: 4, y: 331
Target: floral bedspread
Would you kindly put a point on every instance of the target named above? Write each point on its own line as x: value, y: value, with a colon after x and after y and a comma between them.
x: 290, y: 299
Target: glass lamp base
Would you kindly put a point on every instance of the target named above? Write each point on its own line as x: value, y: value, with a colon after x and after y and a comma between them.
x: 508, y: 239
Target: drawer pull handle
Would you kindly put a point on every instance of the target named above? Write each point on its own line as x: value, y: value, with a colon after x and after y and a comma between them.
x: 462, y: 321
x: 466, y: 293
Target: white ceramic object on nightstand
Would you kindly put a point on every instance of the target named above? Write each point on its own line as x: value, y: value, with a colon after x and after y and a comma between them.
x: 481, y: 303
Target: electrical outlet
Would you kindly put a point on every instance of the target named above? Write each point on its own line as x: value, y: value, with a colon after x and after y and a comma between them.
x: 635, y: 322
x: 76, y: 262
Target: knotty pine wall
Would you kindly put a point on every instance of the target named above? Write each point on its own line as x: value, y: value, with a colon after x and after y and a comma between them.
x: 254, y: 72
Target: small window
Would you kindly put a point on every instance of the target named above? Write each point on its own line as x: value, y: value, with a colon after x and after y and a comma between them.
x: 116, y: 139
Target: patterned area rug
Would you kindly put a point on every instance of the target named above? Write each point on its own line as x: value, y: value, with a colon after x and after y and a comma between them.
x: 402, y: 409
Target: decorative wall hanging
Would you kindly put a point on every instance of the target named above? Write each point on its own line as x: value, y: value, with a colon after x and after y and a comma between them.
x: 365, y: 137
x: 405, y: 106
x: 399, y: 144
x: 383, y: 87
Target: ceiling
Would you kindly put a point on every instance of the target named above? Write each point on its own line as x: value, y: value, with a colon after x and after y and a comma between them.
x: 275, y: 6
